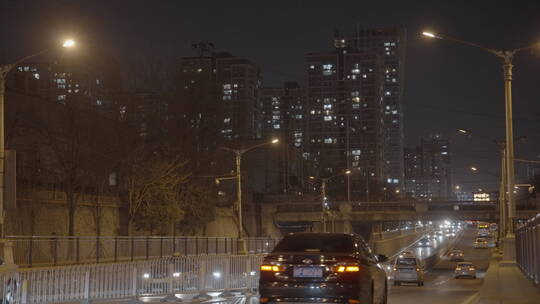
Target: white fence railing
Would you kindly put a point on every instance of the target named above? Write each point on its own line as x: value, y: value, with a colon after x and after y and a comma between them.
x: 167, y: 276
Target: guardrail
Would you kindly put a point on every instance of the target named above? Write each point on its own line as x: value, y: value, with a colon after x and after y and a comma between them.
x: 167, y: 276
x: 528, y: 248
x: 30, y: 251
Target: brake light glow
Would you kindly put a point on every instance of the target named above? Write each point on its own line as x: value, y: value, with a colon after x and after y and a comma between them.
x: 272, y: 268
x: 347, y: 268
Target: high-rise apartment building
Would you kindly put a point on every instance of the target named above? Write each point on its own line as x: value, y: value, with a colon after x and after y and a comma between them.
x: 428, y: 169
x: 284, y: 113
x: 390, y: 44
x: 75, y: 84
x: 220, y: 92
x: 344, y: 126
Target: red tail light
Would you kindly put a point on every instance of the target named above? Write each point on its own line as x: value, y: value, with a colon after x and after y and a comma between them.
x: 346, y: 268
x: 272, y: 268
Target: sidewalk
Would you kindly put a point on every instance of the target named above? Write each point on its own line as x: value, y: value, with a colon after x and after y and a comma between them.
x: 504, y: 283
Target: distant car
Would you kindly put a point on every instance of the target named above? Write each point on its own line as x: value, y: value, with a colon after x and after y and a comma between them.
x: 465, y: 269
x: 481, y: 243
x: 408, y: 269
x: 456, y: 255
x: 425, y: 242
x: 323, y: 267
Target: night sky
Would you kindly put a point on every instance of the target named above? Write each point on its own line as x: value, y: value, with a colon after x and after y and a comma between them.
x: 447, y: 86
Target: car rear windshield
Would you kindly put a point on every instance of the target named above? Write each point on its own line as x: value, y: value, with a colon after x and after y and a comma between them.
x: 316, y: 243
x: 465, y: 264
x: 406, y: 262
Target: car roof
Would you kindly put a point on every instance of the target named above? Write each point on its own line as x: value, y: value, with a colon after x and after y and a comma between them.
x: 457, y: 250
x: 465, y: 263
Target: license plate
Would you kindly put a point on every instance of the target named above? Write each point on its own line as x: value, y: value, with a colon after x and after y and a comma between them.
x: 307, y: 272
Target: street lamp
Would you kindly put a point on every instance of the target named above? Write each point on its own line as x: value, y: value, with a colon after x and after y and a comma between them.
x: 4, y: 70
x: 238, y: 155
x: 474, y: 169
x: 324, y: 180
x: 506, y: 56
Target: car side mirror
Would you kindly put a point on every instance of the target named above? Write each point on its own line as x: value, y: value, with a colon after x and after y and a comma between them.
x: 381, y: 258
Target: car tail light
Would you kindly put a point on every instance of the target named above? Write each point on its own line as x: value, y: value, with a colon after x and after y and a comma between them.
x: 272, y: 268
x: 346, y: 268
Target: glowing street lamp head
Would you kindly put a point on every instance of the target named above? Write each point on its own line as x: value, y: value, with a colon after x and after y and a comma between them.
x: 458, y: 187
x: 348, y: 172
x: 312, y: 177
x: 463, y: 131
x: 275, y: 140
x: 69, y: 43
x: 429, y: 34
x: 474, y: 169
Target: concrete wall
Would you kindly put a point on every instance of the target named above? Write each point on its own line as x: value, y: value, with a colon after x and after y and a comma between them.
x: 46, y: 213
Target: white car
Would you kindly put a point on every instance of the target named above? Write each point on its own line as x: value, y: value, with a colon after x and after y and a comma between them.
x: 465, y: 269
x: 408, y: 269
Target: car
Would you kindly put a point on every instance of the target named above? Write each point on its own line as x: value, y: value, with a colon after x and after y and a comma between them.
x: 424, y: 242
x: 323, y: 267
x: 481, y: 243
x: 456, y: 255
x: 465, y: 269
x: 408, y: 269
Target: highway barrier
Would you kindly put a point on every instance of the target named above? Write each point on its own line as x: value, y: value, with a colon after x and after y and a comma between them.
x: 528, y: 248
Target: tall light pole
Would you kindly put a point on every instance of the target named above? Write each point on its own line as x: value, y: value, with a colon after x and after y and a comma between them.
x: 238, y: 158
x: 506, y: 56
x: 4, y: 70
x: 324, y: 204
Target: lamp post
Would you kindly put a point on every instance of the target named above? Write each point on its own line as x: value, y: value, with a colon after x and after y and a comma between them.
x: 507, y: 57
x: 4, y: 70
x: 324, y: 205
x: 238, y: 159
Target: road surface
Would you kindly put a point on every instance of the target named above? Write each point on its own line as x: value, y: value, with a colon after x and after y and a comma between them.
x: 440, y: 286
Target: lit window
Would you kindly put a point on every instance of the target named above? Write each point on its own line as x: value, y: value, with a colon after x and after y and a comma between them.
x: 97, y: 81
x: 312, y: 67
x: 389, y: 180
x: 327, y: 118
x: 355, y: 71
x: 312, y: 112
x: 327, y: 69
x: 356, y: 99
x: 396, y: 181
x: 394, y: 111
x: 444, y: 153
x: 327, y: 107
x: 61, y: 97
x: 328, y: 140
x: 99, y: 102
x: 356, y: 152
x: 227, y: 86
x: 387, y: 93
x: 277, y: 126
x: 36, y: 75
x: 364, y: 76
x: 227, y: 120
x: 199, y: 70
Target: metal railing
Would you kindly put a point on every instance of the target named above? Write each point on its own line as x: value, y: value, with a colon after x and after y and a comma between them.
x: 167, y: 276
x: 528, y: 248
x: 31, y: 251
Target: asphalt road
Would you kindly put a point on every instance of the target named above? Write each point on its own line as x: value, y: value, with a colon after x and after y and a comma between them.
x: 440, y: 286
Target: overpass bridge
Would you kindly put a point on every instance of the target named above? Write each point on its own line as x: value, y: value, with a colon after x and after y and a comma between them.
x: 345, y: 216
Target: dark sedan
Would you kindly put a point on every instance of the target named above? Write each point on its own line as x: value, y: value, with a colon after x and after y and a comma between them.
x: 323, y: 268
